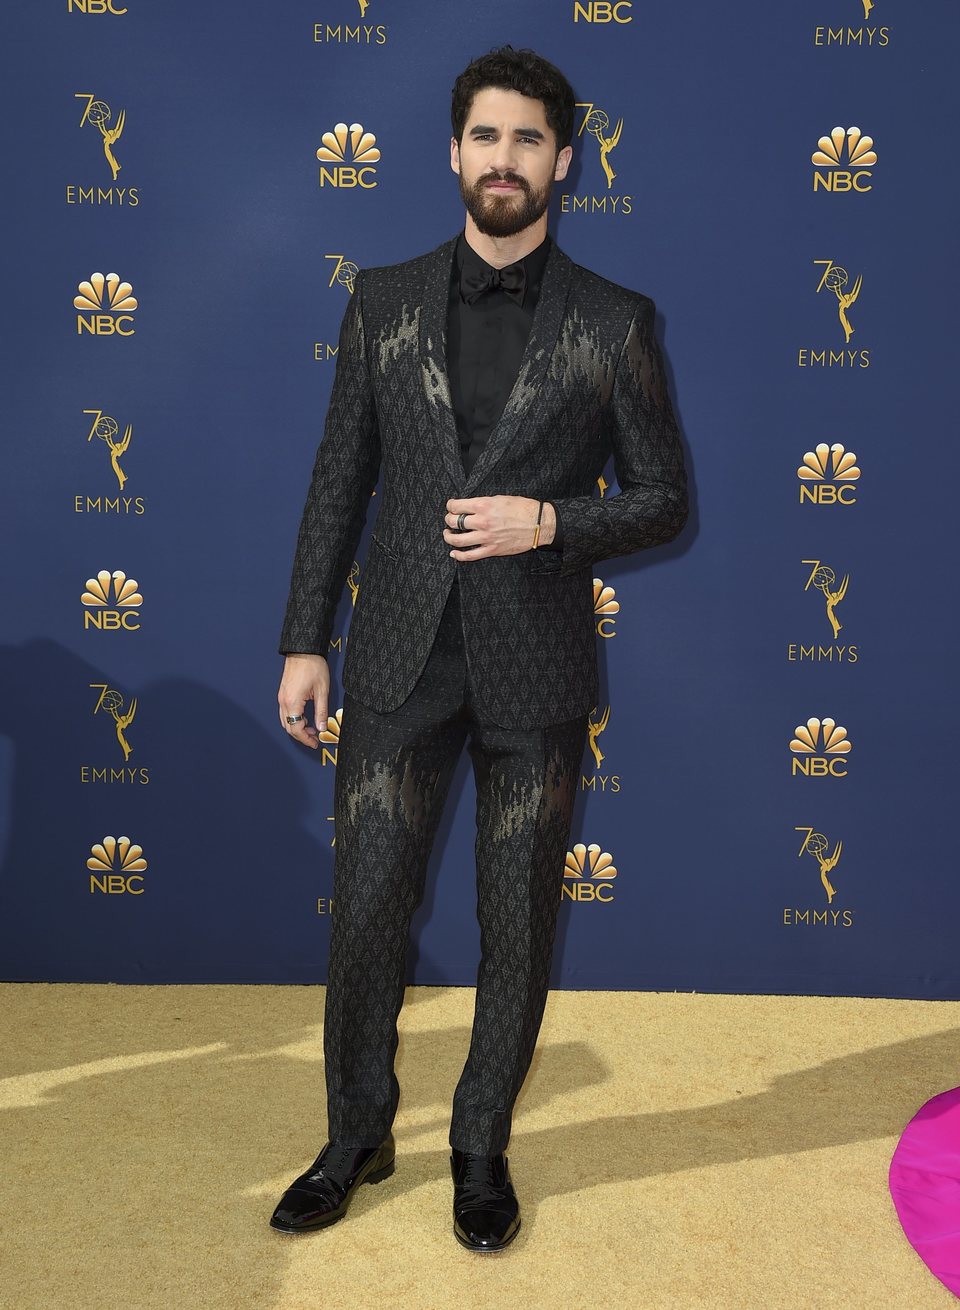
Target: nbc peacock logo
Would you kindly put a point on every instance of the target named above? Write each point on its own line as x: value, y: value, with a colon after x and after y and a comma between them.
x: 588, y: 874
x: 111, y: 602
x: 347, y: 156
x: 116, y: 866
x: 605, y: 608
x: 105, y: 306
x: 843, y: 160
x: 330, y: 736
x: 820, y: 748
x: 829, y: 476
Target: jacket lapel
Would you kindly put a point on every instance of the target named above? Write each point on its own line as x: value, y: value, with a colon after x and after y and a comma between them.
x: 433, y: 356
x: 544, y: 330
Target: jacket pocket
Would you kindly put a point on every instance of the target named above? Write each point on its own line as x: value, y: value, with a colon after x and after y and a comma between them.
x: 387, y: 549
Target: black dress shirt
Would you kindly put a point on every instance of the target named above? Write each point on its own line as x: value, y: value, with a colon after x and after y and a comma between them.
x: 485, y: 344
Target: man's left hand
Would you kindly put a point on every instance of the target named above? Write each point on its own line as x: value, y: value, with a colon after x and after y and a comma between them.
x: 496, y: 525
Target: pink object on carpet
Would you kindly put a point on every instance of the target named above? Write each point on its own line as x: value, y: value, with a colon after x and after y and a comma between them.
x: 925, y: 1186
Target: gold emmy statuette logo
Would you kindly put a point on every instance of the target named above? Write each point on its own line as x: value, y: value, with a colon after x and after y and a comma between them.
x: 111, y: 702
x: 820, y: 748
x: 828, y: 476
x: 837, y: 279
x: 353, y: 582
x: 116, y: 864
x: 344, y: 272
x: 863, y: 37
x: 107, y: 429
x: 605, y: 606
x: 844, y: 146
x: 815, y: 844
x: 112, y: 600
x: 596, y: 123
x: 348, y: 33
x: 603, y: 11
x: 594, y: 728
x: 824, y: 579
x: 588, y: 872
x: 98, y: 113
x: 599, y: 782
x: 353, y: 152
x: 331, y: 734
x: 105, y: 305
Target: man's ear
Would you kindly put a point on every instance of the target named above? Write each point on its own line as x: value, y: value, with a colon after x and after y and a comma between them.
x: 563, y: 163
x: 454, y: 155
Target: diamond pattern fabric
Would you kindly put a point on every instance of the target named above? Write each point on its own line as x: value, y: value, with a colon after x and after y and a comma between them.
x: 590, y: 384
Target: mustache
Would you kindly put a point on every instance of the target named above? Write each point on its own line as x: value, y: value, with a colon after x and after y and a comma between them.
x: 514, y: 178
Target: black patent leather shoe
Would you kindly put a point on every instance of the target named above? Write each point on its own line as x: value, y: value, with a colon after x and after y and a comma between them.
x: 486, y: 1212
x: 322, y: 1194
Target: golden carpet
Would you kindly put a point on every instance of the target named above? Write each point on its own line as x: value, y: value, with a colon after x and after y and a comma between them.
x: 669, y: 1150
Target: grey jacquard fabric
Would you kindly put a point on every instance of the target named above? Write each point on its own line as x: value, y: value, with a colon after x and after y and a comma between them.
x: 590, y: 385
x: 392, y: 780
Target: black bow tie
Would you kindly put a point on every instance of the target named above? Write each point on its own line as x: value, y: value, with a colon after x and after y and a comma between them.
x: 512, y: 279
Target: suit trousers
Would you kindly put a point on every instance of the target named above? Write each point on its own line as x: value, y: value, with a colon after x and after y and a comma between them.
x: 392, y: 777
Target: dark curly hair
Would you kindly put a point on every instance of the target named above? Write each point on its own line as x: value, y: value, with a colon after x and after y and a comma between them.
x: 516, y: 70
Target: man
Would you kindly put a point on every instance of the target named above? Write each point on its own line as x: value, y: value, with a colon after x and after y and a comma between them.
x: 487, y: 383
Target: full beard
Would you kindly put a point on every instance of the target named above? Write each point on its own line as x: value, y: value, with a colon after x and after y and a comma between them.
x: 503, y: 215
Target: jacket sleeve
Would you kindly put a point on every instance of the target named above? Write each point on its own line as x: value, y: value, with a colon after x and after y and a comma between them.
x: 344, y: 474
x: 651, y: 506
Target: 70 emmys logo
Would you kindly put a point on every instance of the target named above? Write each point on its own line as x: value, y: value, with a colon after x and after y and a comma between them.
x: 344, y: 272
x: 596, y: 123
x: 99, y: 113
x: 823, y: 578
x: 345, y: 144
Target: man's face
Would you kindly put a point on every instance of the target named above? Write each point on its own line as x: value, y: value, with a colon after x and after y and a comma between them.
x: 507, y: 161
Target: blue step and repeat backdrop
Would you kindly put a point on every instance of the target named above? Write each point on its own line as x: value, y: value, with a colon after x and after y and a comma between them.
x: 768, y: 795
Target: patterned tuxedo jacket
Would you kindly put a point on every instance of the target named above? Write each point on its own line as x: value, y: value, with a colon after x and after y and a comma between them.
x: 590, y: 383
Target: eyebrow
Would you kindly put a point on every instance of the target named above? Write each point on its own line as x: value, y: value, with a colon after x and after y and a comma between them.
x: 518, y: 131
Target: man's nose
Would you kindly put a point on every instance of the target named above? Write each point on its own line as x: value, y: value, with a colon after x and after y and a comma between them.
x: 504, y: 158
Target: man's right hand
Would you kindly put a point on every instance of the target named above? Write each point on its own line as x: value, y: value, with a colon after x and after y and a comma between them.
x: 305, y: 677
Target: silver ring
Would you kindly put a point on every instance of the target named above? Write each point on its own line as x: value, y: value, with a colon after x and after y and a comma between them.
x: 294, y: 718
x: 460, y: 517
